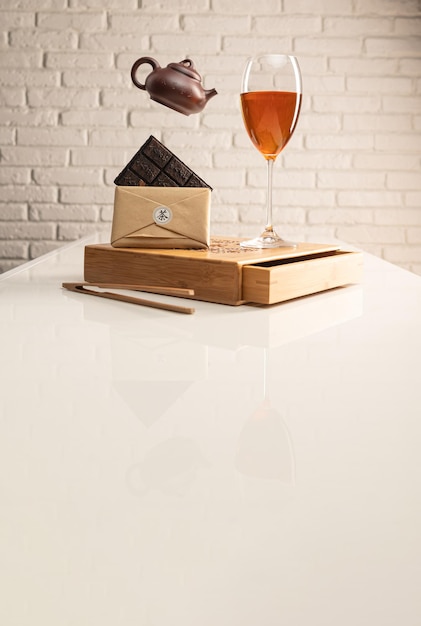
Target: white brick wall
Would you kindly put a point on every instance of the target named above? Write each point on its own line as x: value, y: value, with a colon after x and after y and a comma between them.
x: 70, y: 117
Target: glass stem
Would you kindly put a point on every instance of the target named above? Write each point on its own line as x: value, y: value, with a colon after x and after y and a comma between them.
x: 269, y: 227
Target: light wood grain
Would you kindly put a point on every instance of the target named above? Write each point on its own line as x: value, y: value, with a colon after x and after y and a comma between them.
x: 165, y: 291
x: 278, y: 283
x: 226, y: 273
x: 81, y: 288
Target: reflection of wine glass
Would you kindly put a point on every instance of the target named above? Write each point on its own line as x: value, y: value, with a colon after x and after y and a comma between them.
x: 271, y: 95
x: 265, y: 448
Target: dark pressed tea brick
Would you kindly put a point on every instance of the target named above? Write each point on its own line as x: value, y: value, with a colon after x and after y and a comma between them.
x: 156, y: 166
x: 156, y: 151
x: 165, y: 181
x: 141, y: 166
x: 178, y: 171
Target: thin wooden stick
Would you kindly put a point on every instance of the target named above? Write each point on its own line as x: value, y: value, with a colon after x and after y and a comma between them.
x: 80, y: 288
x: 166, y: 291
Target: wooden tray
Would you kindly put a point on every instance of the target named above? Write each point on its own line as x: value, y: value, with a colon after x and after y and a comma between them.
x: 226, y: 273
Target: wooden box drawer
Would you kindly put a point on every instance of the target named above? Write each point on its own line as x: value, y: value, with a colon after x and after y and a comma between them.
x: 277, y: 281
x: 225, y: 273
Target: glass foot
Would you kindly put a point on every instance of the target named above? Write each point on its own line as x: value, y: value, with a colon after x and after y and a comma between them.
x: 268, y: 240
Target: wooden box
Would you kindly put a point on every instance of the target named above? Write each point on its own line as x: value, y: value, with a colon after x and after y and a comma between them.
x: 227, y: 274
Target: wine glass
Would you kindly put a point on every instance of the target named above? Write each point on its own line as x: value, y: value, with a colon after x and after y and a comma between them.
x: 271, y: 94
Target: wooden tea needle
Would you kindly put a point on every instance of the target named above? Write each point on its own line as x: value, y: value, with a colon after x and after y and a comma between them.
x: 84, y: 288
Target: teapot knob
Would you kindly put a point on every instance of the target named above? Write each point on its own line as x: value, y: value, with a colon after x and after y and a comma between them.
x: 188, y: 63
x: 148, y: 60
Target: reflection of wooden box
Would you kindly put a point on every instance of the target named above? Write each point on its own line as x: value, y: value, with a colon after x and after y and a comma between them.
x: 226, y: 273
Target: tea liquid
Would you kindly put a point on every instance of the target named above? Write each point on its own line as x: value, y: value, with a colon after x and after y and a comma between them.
x: 270, y: 118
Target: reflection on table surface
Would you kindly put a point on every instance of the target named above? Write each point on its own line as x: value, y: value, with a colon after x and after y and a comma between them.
x: 240, y: 466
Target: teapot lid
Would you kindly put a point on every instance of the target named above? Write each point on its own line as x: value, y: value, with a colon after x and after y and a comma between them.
x: 186, y: 67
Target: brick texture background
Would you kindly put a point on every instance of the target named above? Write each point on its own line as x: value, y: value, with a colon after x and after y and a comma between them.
x: 70, y: 117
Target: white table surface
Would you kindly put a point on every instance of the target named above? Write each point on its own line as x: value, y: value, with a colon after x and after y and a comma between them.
x: 241, y: 466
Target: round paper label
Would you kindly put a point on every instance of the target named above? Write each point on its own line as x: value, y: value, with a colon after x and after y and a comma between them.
x: 162, y: 215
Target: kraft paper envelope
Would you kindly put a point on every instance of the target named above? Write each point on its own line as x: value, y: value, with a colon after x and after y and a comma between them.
x: 161, y: 217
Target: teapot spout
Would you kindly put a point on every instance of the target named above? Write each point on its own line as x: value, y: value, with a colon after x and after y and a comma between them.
x: 210, y: 93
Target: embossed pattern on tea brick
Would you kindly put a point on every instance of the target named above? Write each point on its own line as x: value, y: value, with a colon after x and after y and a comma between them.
x: 155, y: 165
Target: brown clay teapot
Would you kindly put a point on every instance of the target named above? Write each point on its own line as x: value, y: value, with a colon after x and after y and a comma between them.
x: 177, y: 86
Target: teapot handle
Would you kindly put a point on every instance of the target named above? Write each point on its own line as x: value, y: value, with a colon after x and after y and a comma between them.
x: 150, y: 61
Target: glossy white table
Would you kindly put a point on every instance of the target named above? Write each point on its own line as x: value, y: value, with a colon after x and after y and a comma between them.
x: 237, y: 467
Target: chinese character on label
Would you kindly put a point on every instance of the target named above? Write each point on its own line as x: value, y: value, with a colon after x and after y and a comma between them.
x: 162, y: 215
